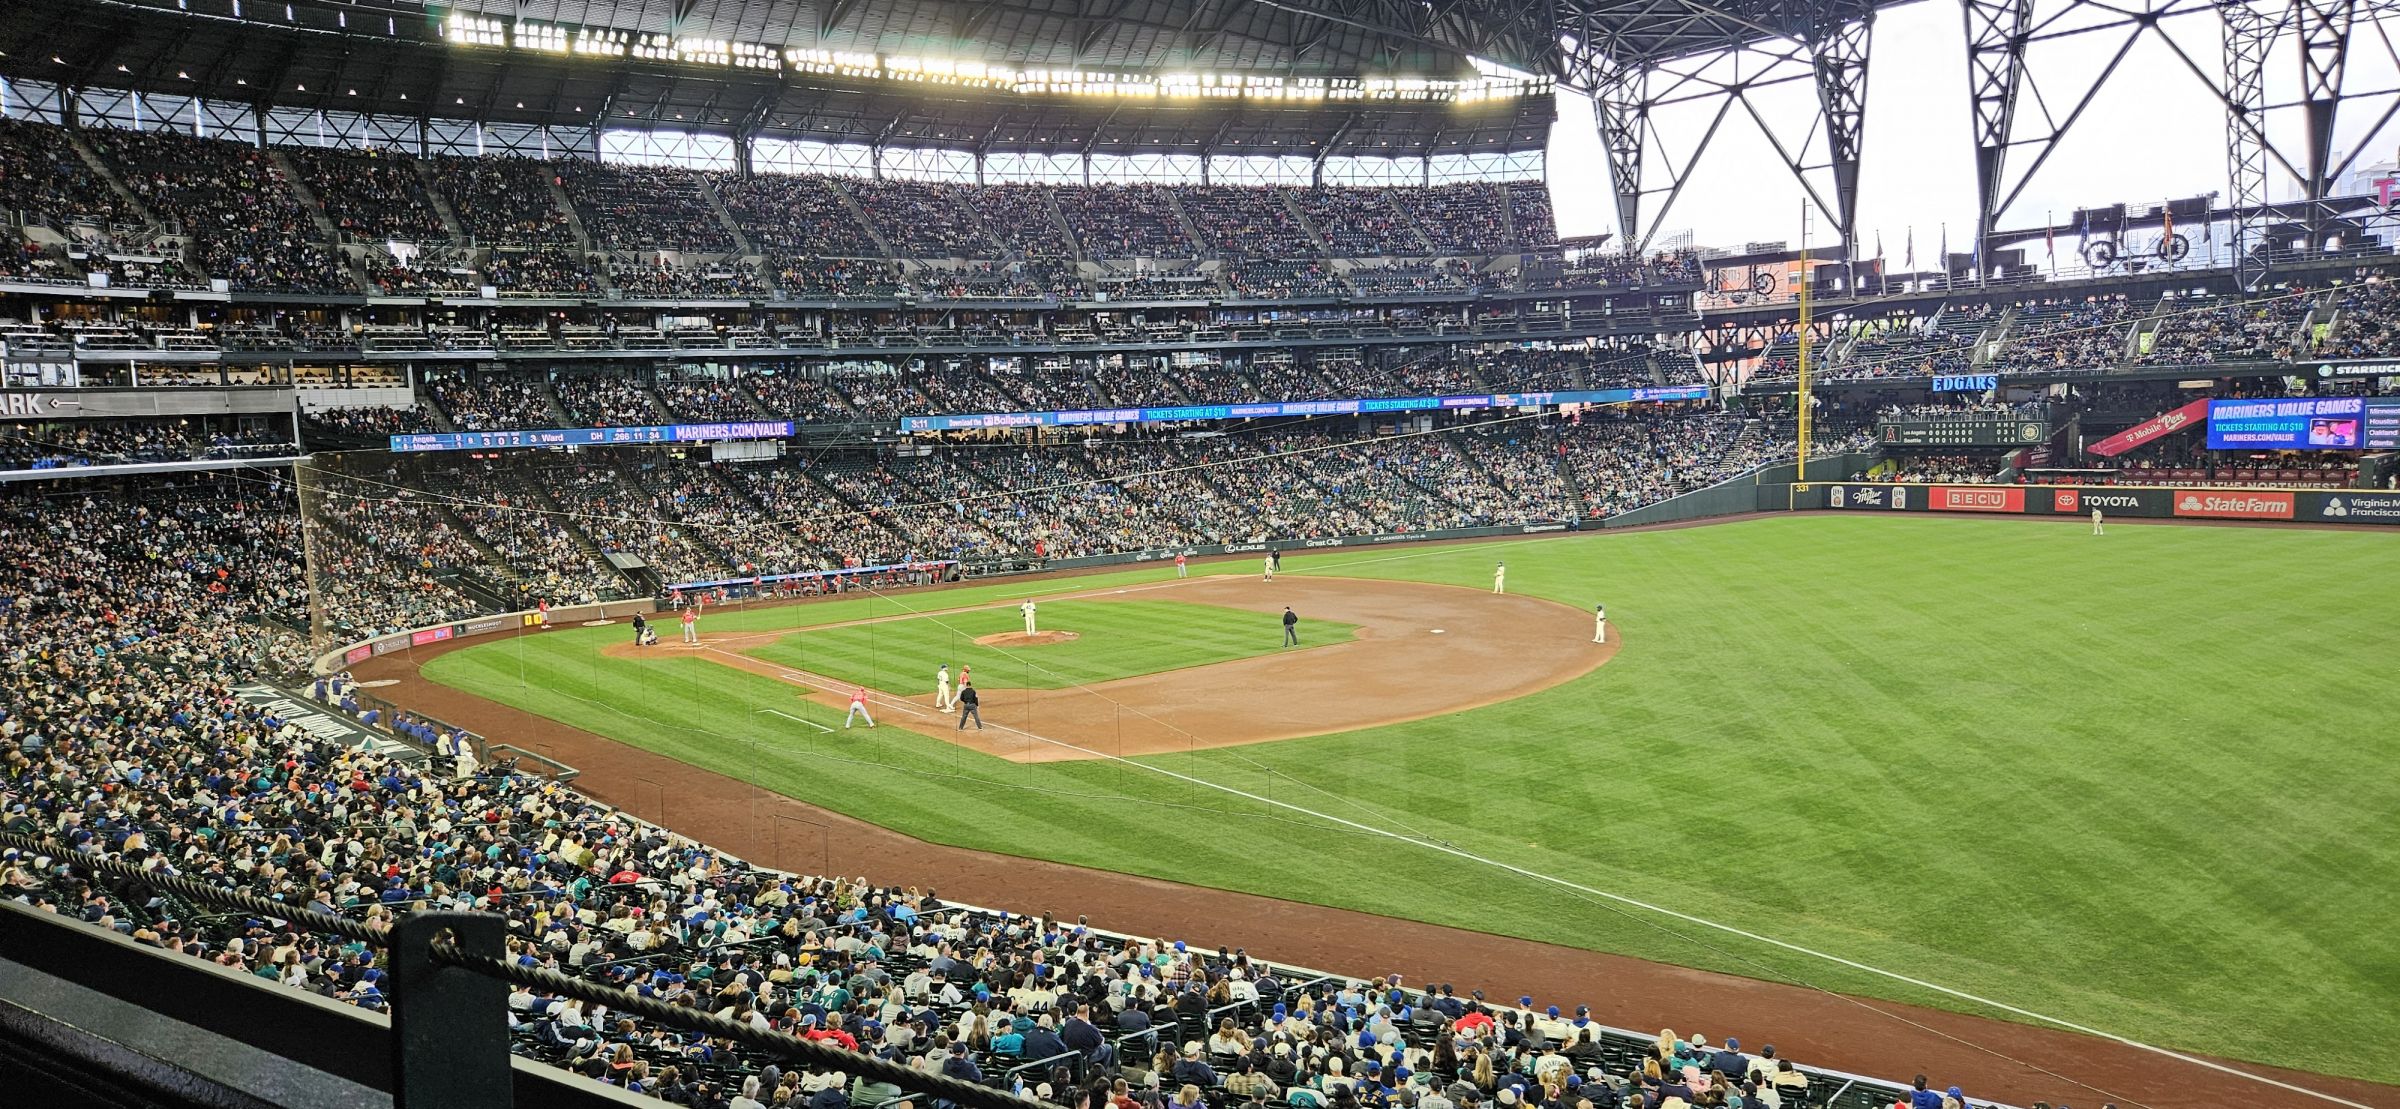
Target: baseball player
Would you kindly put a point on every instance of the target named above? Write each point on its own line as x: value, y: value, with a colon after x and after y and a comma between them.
x: 1500, y: 578
x: 691, y: 626
x: 1271, y: 561
x: 941, y: 688
x: 1183, y: 567
x: 858, y: 708
x: 2095, y: 521
x: 1027, y: 609
x: 1599, y: 623
x: 1291, y: 627
x: 969, y: 705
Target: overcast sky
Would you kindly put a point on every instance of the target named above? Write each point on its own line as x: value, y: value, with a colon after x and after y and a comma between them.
x: 2154, y: 132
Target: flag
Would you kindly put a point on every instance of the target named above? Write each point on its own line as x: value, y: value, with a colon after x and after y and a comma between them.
x: 2050, y: 239
x: 2208, y: 221
x: 1878, y: 246
x: 1944, y: 257
x: 2168, y: 235
x: 1911, y: 244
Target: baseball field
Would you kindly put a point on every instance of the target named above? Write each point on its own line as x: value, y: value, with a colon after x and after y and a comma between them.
x: 2140, y: 782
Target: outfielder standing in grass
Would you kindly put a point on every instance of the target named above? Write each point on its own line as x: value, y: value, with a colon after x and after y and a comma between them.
x: 858, y: 708
x: 1500, y: 578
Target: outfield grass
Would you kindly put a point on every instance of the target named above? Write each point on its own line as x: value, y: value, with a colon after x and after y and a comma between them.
x: 2141, y: 782
x: 1118, y: 639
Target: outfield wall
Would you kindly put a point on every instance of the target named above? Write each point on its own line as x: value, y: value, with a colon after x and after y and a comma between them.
x: 1735, y: 495
x: 1763, y: 490
x: 363, y: 649
x: 2307, y: 506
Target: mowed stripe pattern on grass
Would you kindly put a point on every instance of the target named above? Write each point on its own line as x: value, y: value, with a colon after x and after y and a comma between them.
x: 2129, y: 780
x: 1116, y: 639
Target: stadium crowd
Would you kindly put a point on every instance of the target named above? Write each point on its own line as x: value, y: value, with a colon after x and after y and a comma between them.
x: 161, y: 605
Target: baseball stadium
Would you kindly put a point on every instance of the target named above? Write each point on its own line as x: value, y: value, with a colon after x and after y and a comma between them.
x: 1200, y: 554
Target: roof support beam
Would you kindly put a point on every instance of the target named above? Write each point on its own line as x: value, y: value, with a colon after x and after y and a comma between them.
x: 1839, y: 49
x: 1996, y: 40
x: 2249, y: 38
x: 2324, y: 30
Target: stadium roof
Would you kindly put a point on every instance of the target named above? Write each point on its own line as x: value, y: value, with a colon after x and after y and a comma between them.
x: 409, y: 58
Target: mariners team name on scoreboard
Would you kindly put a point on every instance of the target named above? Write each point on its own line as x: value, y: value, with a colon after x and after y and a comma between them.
x: 1348, y: 406
x: 1965, y: 383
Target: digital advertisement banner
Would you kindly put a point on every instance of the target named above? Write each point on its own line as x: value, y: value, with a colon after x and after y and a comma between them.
x: 2304, y: 424
x: 1976, y: 498
x: 591, y: 436
x: 1874, y: 497
x: 2351, y: 508
x: 2078, y: 500
x: 1355, y: 406
x: 2235, y: 504
x: 2150, y: 501
x: 2165, y: 423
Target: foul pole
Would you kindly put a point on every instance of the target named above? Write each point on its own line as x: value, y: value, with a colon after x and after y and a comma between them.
x: 1800, y: 472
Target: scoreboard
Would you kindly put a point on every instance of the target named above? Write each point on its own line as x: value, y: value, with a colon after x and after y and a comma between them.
x: 1961, y: 433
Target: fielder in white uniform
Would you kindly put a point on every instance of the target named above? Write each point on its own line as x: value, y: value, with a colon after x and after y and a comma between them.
x: 1500, y: 578
x: 941, y: 687
x: 1599, y: 623
x: 1027, y: 609
x: 2095, y: 521
x: 1270, y: 566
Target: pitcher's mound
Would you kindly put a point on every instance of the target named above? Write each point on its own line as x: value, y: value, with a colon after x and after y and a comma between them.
x: 1020, y: 639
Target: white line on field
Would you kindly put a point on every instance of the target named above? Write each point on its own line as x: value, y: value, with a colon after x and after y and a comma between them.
x: 1446, y: 848
x: 789, y: 716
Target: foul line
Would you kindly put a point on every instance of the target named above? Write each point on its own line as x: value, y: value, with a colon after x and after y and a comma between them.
x: 789, y: 716
x: 1454, y: 851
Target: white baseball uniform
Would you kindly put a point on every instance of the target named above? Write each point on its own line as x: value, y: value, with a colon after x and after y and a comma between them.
x: 1500, y: 578
x: 941, y: 688
x: 1599, y: 623
x: 2095, y: 521
x: 1027, y: 608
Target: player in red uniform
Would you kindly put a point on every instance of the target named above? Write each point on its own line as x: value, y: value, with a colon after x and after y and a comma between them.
x: 858, y: 708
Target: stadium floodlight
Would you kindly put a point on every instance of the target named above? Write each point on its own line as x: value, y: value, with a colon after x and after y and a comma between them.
x: 1493, y: 82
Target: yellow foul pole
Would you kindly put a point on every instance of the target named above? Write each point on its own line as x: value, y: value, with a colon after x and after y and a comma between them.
x: 1807, y: 279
